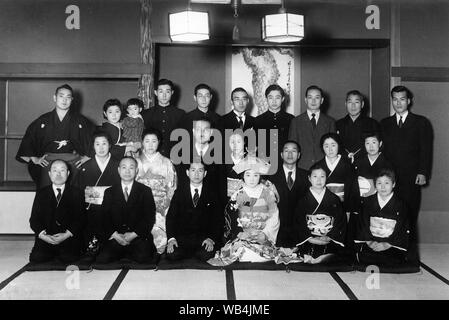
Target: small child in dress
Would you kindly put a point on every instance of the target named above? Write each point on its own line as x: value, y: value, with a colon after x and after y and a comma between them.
x: 133, y: 124
x: 320, y: 223
x: 382, y: 233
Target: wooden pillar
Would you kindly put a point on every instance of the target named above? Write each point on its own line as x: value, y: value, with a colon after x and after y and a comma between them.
x: 146, y: 81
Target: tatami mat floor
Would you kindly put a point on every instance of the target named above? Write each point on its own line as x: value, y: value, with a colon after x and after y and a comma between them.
x: 430, y: 283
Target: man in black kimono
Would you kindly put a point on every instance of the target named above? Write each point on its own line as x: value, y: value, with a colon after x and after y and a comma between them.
x: 59, y: 134
x: 274, y: 118
x: 56, y: 218
x: 291, y: 183
x: 407, y: 139
x: 164, y: 116
x: 129, y: 216
x: 353, y: 126
x: 194, y: 220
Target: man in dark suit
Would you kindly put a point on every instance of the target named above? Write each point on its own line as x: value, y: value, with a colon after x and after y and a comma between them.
x: 164, y: 116
x: 56, y: 218
x: 291, y: 183
x: 308, y: 128
x: 408, y: 146
x: 238, y: 118
x: 194, y: 221
x: 129, y: 216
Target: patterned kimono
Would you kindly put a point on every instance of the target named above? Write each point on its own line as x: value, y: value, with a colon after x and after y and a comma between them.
x: 158, y: 173
x: 252, y: 211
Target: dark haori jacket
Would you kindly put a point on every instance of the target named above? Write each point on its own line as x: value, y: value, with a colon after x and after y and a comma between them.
x: 389, y: 224
x: 42, y: 133
x: 288, y: 200
x: 116, y: 135
x: 313, y: 220
x: 138, y: 214
x: 409, y: 149
x: 352, y: 133
x: 48, y: 215
x: 344, y: 173
x: 164, y: 119
x: 90, y: 175
x: 184, y: 220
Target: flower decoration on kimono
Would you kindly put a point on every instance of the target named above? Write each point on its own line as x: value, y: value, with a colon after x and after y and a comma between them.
x: 251, y: 162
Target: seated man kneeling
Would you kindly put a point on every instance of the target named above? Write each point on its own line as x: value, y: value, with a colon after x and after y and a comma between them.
x: 129, y: 215
x: 56, y: 218
x: 193, y: 220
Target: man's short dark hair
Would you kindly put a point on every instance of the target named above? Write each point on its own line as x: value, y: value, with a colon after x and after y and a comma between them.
x: 397, y: 89
x: 238, y: 89
x: 355, y: 93
x: 110, y: 103
x: 294, y: 142
x: 58, y: 160
x: 135, y: 101
x: 202, y: 86
x: 314, y: 87
x: 128, y: 157
x: 274, y: 87
x: 164, y: 82
x: 64, y: 86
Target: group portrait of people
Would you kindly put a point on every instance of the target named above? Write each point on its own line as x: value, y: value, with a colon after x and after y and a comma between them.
x: 346, y: 190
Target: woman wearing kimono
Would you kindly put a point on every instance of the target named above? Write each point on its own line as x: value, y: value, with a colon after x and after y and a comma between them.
x: 319, y: 220
x: 254, y: 217
x: 341, y: 180
x: 230, y: 181
x: 382, y: 233
x: 95, y: 176
x: 158, y: 173
x: 369, y: 165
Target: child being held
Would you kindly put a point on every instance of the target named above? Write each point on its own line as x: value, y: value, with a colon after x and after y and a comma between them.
x: 133, y: 124
x: 382, y: 233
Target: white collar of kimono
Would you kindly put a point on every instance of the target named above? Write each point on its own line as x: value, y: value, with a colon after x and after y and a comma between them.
x: 332, y: 166
x: 236, y: 160
x: 151, y: 157
x: 318, y: 196
x: 383, y: 203
x: 253, y: 192
x: 102, y: 165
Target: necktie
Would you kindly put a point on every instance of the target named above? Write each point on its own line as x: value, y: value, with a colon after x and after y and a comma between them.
x: 240, y: 122
x: 125, y: 194
x: 290, y: 180
x: 196, y: 197
x: 59, y: 195
x: 400, y: 122
x: 313, y: 120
